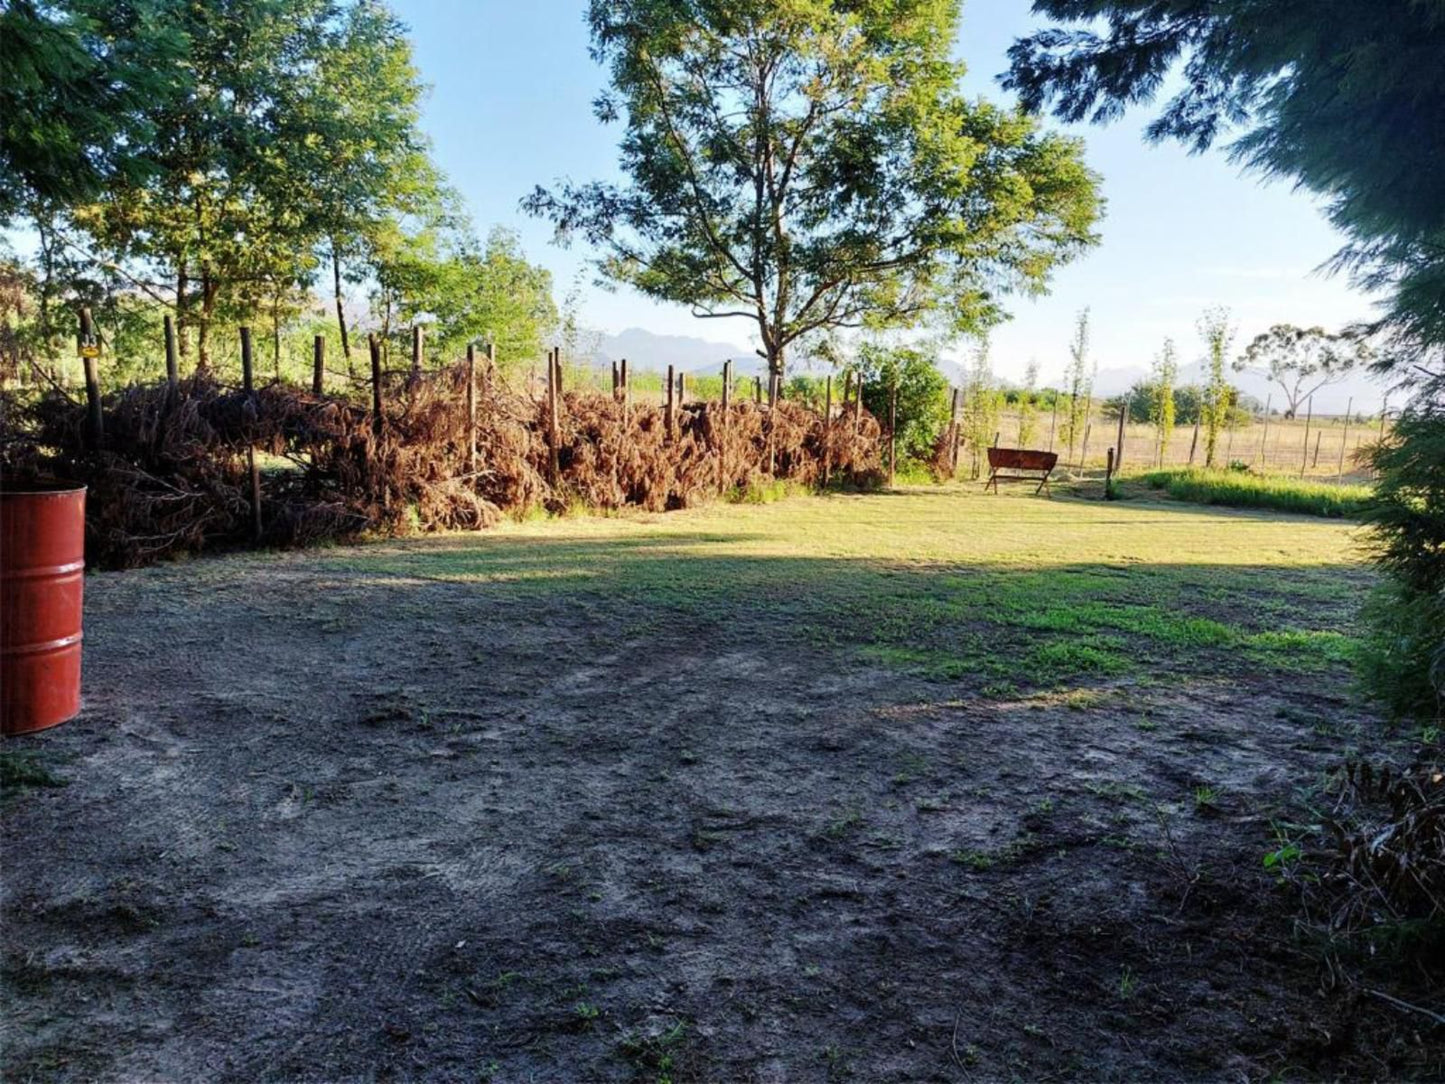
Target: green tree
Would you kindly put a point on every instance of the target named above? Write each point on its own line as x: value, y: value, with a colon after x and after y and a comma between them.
x: 812, y: 165
x: 1218, y: 333
x: 351, y: 126
x: 478, y: 294
x: 922, y: 394
x: 1161, y: 401
x: 295, y: 128
x: 1303, y: 360
x: 1080, y: 377
x: 1028, y: 404
x: 82, y: 79
x: 982, y: 403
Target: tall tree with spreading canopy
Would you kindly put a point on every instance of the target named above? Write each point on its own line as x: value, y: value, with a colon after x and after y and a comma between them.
x: 811, y: 165
x: 1303, y: 360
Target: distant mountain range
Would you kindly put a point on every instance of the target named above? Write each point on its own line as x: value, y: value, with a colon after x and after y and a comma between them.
x: 645, y: 350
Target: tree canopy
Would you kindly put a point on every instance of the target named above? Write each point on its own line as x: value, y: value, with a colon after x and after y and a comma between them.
x: 812, y: 165
x: 1303, y: 360
x: 213, y: 158
x: 1343, y: 98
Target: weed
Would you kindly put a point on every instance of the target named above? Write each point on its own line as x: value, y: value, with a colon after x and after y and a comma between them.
x: 655, y: 1053
x: 20, y: 771
x: 1128, y: 984
x: 1116, y: 791
x: 1205, y: 798
x: 843, y: 826
x: 975, y: 860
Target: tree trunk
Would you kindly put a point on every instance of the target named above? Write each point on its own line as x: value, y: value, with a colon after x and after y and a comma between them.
x: 775, y: 377
x: 183, y: 317
x: 341, y: 311
x: 203, y: 325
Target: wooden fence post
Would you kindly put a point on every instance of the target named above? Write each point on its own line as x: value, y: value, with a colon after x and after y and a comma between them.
x: 1109, y: 475
x: 681, y: 389
x: 1264, y: 436
x: 1193, y: 444
x: 892, y: 434
x: 173, y: 372
x: 858, y: 404
x: 827, y: 427
x: 418, y: 348
x: 90, y: 357
x: 758, y: 390
x: 616, y: 381
x: 249, y: 386
x: 471, y: 408
x: 670, y: 412
x: 1344, y: 439
x: 554, y: 407
x: 1118, y: 457
x: 624, y: 385
x: 378, y: 421
x: 1309, y: 417
x: 1315, y: 461
x: 318, y: 364
x: 953, y: 434
x: 722, y: 454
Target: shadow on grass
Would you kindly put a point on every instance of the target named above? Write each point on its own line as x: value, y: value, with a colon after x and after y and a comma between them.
x: 992, y: 627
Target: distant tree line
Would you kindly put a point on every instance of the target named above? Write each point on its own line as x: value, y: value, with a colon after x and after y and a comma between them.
x: 222, y: 163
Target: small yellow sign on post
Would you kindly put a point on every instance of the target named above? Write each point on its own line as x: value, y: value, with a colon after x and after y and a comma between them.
x: 90, y: 350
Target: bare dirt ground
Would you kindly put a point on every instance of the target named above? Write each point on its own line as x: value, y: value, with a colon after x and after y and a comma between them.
x: 357, y: 815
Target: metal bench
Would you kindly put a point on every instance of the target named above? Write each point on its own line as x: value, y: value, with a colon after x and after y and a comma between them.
x: 1024, y: 465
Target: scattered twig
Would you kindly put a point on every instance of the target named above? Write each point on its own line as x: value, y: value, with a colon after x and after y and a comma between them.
x: 1436, y: 1017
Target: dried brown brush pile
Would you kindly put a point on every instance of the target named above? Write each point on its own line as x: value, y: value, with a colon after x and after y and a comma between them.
x: 1388, y: 865
x: 173, y: 473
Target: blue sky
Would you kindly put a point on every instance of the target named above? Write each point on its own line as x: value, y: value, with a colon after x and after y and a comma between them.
x: 510, y: 107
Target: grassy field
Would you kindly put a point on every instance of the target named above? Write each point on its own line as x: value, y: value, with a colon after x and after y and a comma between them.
x: 914, y: 785
x: 1000, y: 592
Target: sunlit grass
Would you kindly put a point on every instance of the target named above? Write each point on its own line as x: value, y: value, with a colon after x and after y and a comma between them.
x: 945, y: 583
x: 1244, y: 490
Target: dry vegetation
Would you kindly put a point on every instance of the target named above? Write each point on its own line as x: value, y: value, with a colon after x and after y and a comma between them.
x: 173, y: 476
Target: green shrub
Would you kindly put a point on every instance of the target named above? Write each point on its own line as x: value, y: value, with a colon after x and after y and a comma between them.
x: 1402, y: 651
x: 1404, y: 658
x: 1243, y: 490
x: 922, y: 396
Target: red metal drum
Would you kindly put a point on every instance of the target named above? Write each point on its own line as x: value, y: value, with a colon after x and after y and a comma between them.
x: 42, y: 578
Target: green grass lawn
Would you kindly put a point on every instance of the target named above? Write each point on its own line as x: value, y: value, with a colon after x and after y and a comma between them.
x: 1001, y: 593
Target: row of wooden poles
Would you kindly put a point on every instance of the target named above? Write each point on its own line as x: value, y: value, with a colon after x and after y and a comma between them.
x: 675, y: 393
x: 673, y: 397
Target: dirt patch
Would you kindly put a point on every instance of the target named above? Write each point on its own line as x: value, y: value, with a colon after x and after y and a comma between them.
x: 328, y: 824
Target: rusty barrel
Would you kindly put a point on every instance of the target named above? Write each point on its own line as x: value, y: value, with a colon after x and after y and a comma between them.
x: 42, y: 579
